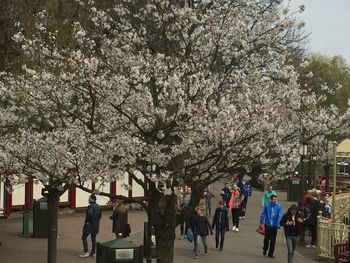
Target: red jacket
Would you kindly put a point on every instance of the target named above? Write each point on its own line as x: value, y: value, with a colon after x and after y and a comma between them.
x: 235, y: 199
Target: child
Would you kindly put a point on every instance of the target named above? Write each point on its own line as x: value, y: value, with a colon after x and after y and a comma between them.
x: 235, y: 205
x: 220, y: 224
x: 201, y: 228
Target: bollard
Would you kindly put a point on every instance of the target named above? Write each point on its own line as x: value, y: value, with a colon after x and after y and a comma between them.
x: 25, y: 223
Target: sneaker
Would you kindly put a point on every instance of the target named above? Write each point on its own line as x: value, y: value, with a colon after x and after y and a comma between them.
x: 310, y: 246
x: 206, y: 254
x: 221, y: 249
x: 234, y: 228
x: 195, y: 257
x: 93, y: 255
x: 237, y: 230
x: 240, y: 218
x: 243, y: 217
x: 85, y: 255
x: 181, y: 237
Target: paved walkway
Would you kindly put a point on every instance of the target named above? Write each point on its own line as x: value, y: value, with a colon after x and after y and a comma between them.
x: 245, y: 246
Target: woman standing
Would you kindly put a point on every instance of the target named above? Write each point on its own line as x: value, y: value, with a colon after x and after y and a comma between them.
x: 120, y: 219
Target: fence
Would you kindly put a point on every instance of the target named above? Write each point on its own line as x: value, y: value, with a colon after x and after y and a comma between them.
x: 329, y: 234
x: 342, y: 207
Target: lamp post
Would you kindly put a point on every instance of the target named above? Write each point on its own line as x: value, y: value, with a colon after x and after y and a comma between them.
x: 303, y: 154
x: 314, y: 180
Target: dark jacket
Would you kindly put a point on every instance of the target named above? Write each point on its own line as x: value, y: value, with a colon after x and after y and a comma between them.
x: 120, y: 220
x: 220, y: 219
x: 314, y: 207
x: 226, y: 195
x: 92, y: 219
x: 201, y: 226
x: 293, y: 230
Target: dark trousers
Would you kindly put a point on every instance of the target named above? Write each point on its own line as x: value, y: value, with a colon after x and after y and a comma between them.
x: 183, y: 228
x: 270, y: 239
x: 236, y: 212
x: 244, y: 202
x: 220, y: 236
x: 93, y: 243
x: 313, y: 230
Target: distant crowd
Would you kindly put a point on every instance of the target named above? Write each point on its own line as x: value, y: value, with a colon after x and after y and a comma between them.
x: 234, y: 199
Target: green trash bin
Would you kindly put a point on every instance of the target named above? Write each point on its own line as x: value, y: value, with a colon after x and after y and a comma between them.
x: 119, y: 250
x: 40, y: 218
x: 294, y: 189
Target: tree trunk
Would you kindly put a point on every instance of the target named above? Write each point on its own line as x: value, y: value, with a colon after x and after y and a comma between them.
x: 165, y: 244
x: 52, y: 202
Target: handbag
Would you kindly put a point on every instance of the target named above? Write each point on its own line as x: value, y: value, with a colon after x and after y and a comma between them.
x: 261, y: 229
x: 189, y: 235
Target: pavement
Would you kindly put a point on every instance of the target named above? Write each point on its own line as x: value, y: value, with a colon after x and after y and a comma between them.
x: 244, y: 246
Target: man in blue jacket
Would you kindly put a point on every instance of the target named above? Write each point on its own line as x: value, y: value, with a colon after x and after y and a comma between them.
x: 91, y: 226
x: 270, y: 218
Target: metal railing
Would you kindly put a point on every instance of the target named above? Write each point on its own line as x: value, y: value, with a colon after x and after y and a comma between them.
x: 342, y: 206
x: 328, y: 234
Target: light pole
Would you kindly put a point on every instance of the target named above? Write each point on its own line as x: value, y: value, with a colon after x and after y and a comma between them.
x: 303, y: 154
x: 314, y: 182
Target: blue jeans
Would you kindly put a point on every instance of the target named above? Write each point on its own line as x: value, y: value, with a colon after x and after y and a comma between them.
x: 207, y: 207
x: 196, y: 244
x: 291, y: 245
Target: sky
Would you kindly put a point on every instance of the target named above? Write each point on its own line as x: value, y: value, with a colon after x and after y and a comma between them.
x: 328, y: 21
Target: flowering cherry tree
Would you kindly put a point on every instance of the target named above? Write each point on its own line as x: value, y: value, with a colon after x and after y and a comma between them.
x: 185, y: 92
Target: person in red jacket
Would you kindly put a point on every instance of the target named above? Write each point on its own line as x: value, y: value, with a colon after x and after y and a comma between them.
x: 235, y: 206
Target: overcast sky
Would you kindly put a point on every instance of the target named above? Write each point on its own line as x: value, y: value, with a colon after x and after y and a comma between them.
x: 328, y: 21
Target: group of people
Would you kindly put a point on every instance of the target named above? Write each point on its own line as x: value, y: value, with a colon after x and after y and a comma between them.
x: 233, y: 200
x: 295, y: 221
x: 120, y: 225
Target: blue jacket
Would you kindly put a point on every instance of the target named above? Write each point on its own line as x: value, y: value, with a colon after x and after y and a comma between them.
x: 271, y: 215
x: 92, y: 219
x: 246, y: 189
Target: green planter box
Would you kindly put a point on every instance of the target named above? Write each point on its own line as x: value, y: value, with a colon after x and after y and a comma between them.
x: 119, y: 250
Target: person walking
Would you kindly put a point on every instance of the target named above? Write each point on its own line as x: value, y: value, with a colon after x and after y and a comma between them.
x: 245, y: 187
x: 186, y: 198
x: 208, y: 195
x: 91, y: 226
x: 226, y: 193
x: 220, y: 224
x: 270, y: 217
x: 235, y: 206
x: 120, y: 219
x: 291, y: 222
x: 314, y: 207
x: 201, y: 229
x: 266, y: 198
